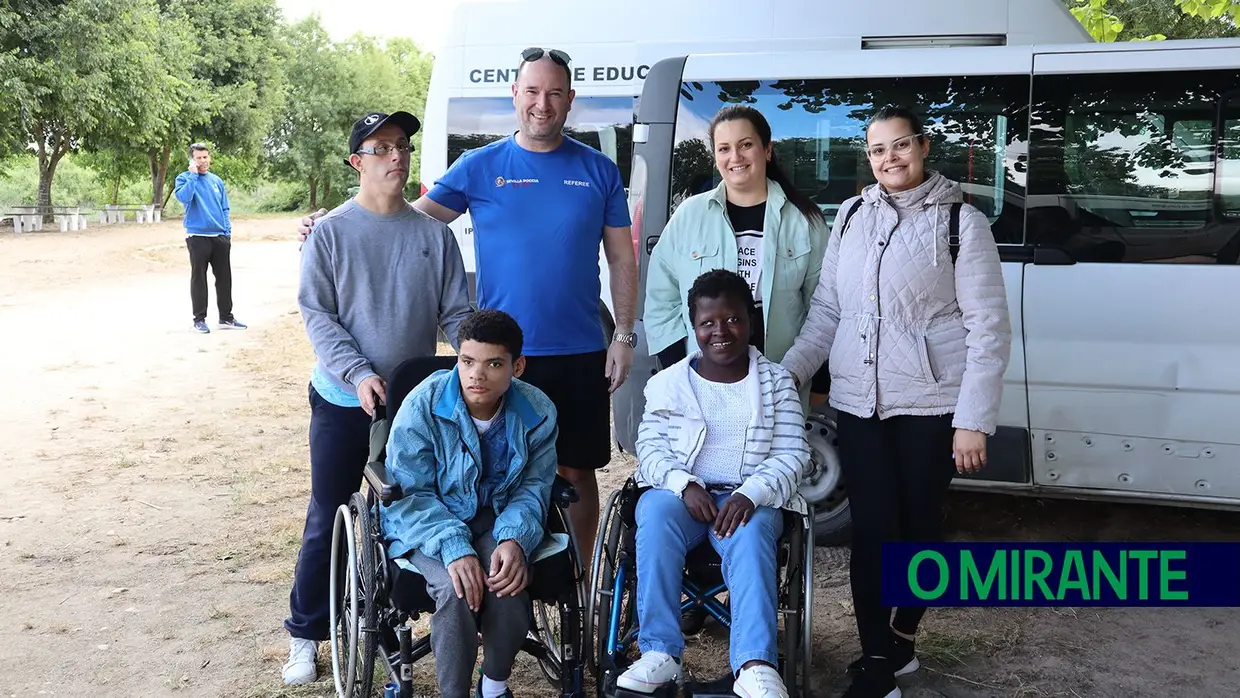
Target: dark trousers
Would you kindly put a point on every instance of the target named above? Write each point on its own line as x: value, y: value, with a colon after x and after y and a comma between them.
x: 210, y: 251
x: 898, y: 471
x: 339, y: 446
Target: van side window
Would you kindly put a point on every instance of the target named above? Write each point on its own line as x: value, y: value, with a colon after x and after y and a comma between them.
x: 977, y: 127
x: 1137, y: 167
x: 603, y: 123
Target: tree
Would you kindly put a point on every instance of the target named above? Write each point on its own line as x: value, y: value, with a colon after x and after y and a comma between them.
x: 1153, y: 20
x: 331, y: 85
x: 227, y: 80
x: 82, y: 69
x: 10, y: 84
x: 311, y: 138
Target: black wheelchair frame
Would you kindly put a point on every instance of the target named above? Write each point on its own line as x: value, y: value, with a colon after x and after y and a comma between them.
x: 613, y: 611
x: 374, y: 600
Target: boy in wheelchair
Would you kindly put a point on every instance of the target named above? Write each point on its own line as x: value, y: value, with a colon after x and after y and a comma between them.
x: 722, y: 449
x: 473, y: 449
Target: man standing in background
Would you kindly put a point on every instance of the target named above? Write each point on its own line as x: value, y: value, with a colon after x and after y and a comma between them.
x: 208, y: 235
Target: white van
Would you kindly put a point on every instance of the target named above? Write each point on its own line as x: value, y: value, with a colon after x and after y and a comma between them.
x: 1106, y: 171
x: 616, y: 49
x: 469, y: 102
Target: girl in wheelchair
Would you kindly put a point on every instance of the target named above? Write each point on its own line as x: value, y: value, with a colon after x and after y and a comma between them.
x: 722, y: 448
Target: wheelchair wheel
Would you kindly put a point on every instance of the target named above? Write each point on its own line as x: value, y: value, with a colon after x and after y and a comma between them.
x: 353, y: 599
x: 797, y: 608
x: 612, y: 625
x: 807, y: 604
x: 549, y: 629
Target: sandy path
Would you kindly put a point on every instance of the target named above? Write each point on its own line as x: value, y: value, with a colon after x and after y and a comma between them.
x: 153, y: 483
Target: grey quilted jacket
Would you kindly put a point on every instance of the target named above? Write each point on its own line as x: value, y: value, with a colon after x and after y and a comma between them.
x: 906, y: 331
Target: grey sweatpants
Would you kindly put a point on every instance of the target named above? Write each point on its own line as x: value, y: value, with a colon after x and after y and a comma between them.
x: 454, y: 631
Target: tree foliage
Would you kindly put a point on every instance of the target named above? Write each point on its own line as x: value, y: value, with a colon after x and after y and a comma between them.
x: 129, y: 84
x: 1154, y: 20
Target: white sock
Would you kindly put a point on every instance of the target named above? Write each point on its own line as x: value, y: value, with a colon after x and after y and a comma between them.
x: 492, y: 688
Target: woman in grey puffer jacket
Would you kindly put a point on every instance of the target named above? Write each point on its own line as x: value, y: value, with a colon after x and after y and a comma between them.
x: 918, y: 345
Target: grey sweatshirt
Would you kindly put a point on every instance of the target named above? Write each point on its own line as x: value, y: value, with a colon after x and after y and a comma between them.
x: 374, y: 289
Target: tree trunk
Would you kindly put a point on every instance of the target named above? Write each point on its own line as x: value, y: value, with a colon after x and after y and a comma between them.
x: 314, y: 194
x: 327, y: 190
x: 159, y: 173
x: 116, y: 190
x: 47, y: 167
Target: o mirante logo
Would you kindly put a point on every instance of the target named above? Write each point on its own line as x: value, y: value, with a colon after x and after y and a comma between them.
x: 1061, y: 574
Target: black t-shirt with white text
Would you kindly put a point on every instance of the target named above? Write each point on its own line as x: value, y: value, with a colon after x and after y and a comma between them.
x: 747, y: 223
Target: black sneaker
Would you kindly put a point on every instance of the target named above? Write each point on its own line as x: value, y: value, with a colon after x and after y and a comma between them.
x: 872, y: 678
x: 903, y: 656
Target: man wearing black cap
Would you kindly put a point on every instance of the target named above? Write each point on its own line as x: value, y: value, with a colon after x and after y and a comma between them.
x: 362, y: 319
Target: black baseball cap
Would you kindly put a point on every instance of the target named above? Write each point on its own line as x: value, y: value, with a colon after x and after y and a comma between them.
x: 367, y: 125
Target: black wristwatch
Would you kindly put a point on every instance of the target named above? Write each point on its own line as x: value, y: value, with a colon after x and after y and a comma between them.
x: 629, y: 338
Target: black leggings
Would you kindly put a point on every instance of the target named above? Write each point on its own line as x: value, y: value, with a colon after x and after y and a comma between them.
x: 897, y: 471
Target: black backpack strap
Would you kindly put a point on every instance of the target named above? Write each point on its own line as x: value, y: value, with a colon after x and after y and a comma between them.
x: 953, y: 231
x: 848, y: 216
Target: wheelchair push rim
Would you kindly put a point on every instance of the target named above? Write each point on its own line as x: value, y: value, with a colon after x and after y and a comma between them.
x: 352, y: 606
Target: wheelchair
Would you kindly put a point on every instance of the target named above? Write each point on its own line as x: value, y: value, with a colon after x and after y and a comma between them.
x: 375, y: 600
x: 613, y: 607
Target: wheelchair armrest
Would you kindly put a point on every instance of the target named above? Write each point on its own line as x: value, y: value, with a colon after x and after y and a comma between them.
x: 562, y: 493
x: 377, y: 477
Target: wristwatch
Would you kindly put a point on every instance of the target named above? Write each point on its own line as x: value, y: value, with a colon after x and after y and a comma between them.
x: 629, y: 338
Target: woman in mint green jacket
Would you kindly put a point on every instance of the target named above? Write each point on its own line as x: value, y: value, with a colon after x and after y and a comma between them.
x: 754, y: 223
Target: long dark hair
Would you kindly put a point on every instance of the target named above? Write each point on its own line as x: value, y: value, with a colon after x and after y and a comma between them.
x: 773, y: 171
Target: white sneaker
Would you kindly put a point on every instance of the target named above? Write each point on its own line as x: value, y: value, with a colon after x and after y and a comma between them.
x: 300, y: 667
x: 759, y: 681
x: 649, y: 673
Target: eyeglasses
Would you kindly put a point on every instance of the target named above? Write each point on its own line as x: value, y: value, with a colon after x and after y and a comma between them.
x: 900, y: 146
x: 534, y: 53
x: 384, y: 149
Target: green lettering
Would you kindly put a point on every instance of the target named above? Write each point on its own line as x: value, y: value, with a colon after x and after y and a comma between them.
x: 944, y: 576
x: 1143, y: 571
x: 1015, y: 581
x: 1073, y: 564
x: 1166, y: 575
x: 969, y: 577
x: 1118, y: 584
x: 1038, y: 577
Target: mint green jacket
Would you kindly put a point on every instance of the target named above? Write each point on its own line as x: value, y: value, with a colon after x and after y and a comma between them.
x: 699, y: 238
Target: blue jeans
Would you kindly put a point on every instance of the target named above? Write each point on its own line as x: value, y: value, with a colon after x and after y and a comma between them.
x: 665, y: 533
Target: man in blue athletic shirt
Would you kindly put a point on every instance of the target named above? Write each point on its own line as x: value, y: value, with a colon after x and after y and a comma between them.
x: 208, y: 235
x: 541, y: 203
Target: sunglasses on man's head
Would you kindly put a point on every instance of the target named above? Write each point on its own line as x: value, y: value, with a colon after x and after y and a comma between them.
x: 535, y: 53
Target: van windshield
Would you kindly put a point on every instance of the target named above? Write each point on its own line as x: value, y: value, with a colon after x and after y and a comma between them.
x: 603, y: 123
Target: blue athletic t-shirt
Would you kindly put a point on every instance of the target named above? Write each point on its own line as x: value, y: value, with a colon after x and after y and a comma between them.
x: 538, y: 222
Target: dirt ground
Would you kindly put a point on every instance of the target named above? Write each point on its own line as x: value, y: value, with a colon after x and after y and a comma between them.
x: 154, y: 483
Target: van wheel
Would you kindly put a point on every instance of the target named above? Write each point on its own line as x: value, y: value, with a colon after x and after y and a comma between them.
x: 825, y: 487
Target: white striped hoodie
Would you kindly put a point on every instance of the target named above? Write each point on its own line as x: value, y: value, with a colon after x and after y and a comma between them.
x: 777, y: 453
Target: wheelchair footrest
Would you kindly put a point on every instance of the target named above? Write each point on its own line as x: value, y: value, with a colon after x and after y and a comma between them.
x: 719, y: 688
x: 611, y: 690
